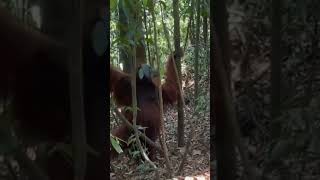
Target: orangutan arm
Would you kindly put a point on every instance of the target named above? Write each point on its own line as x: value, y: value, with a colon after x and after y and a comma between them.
x: 120, y: 86
x: 170, y: 89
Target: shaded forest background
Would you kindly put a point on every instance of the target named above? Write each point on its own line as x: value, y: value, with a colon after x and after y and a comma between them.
x: 274, y: 80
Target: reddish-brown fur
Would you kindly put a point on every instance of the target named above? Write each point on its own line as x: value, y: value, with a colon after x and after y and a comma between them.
x: 147, y: 100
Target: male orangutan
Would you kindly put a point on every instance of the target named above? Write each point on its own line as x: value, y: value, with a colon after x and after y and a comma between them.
x: 148, y: 114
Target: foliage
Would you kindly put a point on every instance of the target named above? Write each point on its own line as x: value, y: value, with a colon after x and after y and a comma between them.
x: 120, y: 43
x: 115, y: 142
x: 134, y: 149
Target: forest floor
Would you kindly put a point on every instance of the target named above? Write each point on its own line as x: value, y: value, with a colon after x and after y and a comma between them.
x: 197, y: 165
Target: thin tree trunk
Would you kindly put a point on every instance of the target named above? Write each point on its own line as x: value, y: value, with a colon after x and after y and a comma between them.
x: 140, y: 50
x: 147, y: 32
x: 162, y: 132
x: 189, y: 26
x: 228, y: 136
x: 205, y: 32
x: 76, y: 94
x: 222, y: 112
x: 191, y: 31
x: 196, y: 66
x: 178, y: 64
x: 134, y: 114
x: 123, y: 53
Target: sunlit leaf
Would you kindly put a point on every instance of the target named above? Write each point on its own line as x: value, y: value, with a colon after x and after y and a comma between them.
x: 145, y: 3
x: 113, y: 5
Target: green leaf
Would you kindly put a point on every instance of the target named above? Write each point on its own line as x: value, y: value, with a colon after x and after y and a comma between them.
x: 131, y: 139
x: 149, y: 40
x: 145, y: 3
x: 141, y: 73
x: 150, y: 5
x: 116, y: 145
x: 136, y: 153
x: 146, y: 70
x: 113, y: 5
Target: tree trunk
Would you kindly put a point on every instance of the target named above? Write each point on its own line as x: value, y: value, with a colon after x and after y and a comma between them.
x: 137, y: 18
x: 146, y: 25
x: 191, y: 32
x: 223, y: 111
x: 178, y: 64
x: 205, y: 32
x: 95, y: 87
x: 196, y: 60
x: 123, y: 29
x: 75, y: 44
